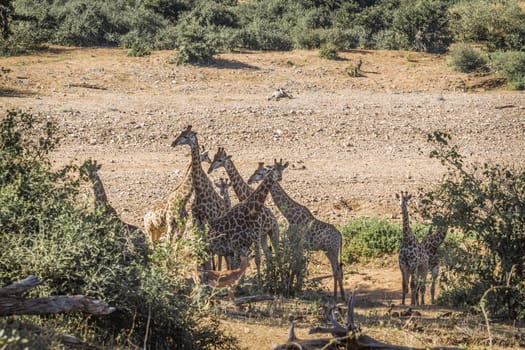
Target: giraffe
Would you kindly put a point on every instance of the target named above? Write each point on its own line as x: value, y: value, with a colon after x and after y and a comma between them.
x: 167, y: 215
x: 413, y: 258
x: 268, y: 223
x: 90, y: 169
x: 431, y: 243
x: 318, y: 235
x: 207, y: 203
x: 234, y: 233
x: 224, y: 186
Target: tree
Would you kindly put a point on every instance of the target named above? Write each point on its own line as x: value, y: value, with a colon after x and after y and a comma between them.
x: 487, y: 201
x: 6, y: 14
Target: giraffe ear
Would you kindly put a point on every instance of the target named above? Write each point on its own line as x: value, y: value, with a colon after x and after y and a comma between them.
x: 285, y: 165
x: 229, y: 157
x: 397, y: 195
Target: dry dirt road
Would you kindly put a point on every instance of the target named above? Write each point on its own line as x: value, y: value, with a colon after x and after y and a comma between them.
x: 351, y: 142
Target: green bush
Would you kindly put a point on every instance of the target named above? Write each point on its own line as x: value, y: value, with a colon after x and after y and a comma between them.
x: 422, y: 25
x: 328, y: 51
x: 367, y: 238
x: 285, y: 274
x: 463, y: 58
x: 486, y: 200
x: 497, y: 24
x: 341, y: 39
x: 47, y: 230
x: 138, y: 50
x: 510, y: 65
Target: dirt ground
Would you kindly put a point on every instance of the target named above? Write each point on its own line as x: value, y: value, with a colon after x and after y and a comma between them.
x: 352, y: 142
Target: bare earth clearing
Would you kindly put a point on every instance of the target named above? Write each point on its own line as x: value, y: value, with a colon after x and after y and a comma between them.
x: 352, y: 143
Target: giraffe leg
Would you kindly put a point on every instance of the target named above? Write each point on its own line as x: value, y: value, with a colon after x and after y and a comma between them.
x: 435, y: 273
x: 413, y: 289
x: 337, y: 274
x: 404, y: 285
x: 258, y: 262
x: 422, y: 283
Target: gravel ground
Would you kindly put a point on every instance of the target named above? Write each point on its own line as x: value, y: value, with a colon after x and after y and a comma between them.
x: 352, y: 142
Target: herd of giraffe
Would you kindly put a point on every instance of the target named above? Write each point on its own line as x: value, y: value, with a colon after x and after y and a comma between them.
x: 233, y: 231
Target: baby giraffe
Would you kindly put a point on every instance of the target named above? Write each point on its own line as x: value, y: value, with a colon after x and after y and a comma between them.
x: 413, y: 258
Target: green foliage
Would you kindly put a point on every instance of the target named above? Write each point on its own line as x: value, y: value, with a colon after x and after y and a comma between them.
x: 286, y: 271
x: 487, y: 200
x: 341, y: 39
x: 47, y: 231
x: 511, y: 65
x: 138, y: 50
x: 422, y: 25
x: 368, y: 238
x: 328, y: 51
x: 464, y: 58
x: 498, y: 24
x: 194, y: 44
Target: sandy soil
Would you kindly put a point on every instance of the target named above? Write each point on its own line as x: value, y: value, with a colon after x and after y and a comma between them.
x: 352, y: 142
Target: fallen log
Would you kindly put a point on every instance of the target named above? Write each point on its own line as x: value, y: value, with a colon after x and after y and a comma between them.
x: 12, y: 302
x: 20, y: 287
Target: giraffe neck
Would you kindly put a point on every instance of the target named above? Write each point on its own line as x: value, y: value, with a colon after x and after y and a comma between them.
x: 200, y: 181
x: 226, y: 197
x: 258, y: 197
x: 185, y: 187
x: 101, y: 199
x: 408, y: 235
x: 241, y: 188
x: 295, y: 213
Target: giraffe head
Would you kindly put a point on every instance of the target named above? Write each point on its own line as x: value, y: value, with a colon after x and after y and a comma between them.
x: 187, y: 137
x: 219, y: 159
x: 89, y: 169
x: 403, y: 198
x: 276, y: 171
x: 223, y: 185
x: 204, y: 156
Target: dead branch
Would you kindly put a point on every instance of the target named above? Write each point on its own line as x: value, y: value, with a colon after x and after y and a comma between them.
x: 66, y: 339
x: 86, y: 86
x: 20, y: 286
x: 251, y: 299
x: 13, y: 303
x: 348, y: 337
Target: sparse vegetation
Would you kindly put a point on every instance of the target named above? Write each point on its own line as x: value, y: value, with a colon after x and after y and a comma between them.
x: 510, y: 65
x: 328, y: 51
x: 464, y: 58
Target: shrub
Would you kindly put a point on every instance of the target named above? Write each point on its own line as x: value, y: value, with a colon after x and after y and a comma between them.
x: 286, y: 272
x: 194, y: 44
x: 341, y: 39
x: 511, y: 65
x: 138, y: 50
x: 498, y: 24
x: 422, y: 25
x: 328, y: 51
x: 368, y: 238
x: 463, y: 58
x: 486, y: 200
x: 48, y: 231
